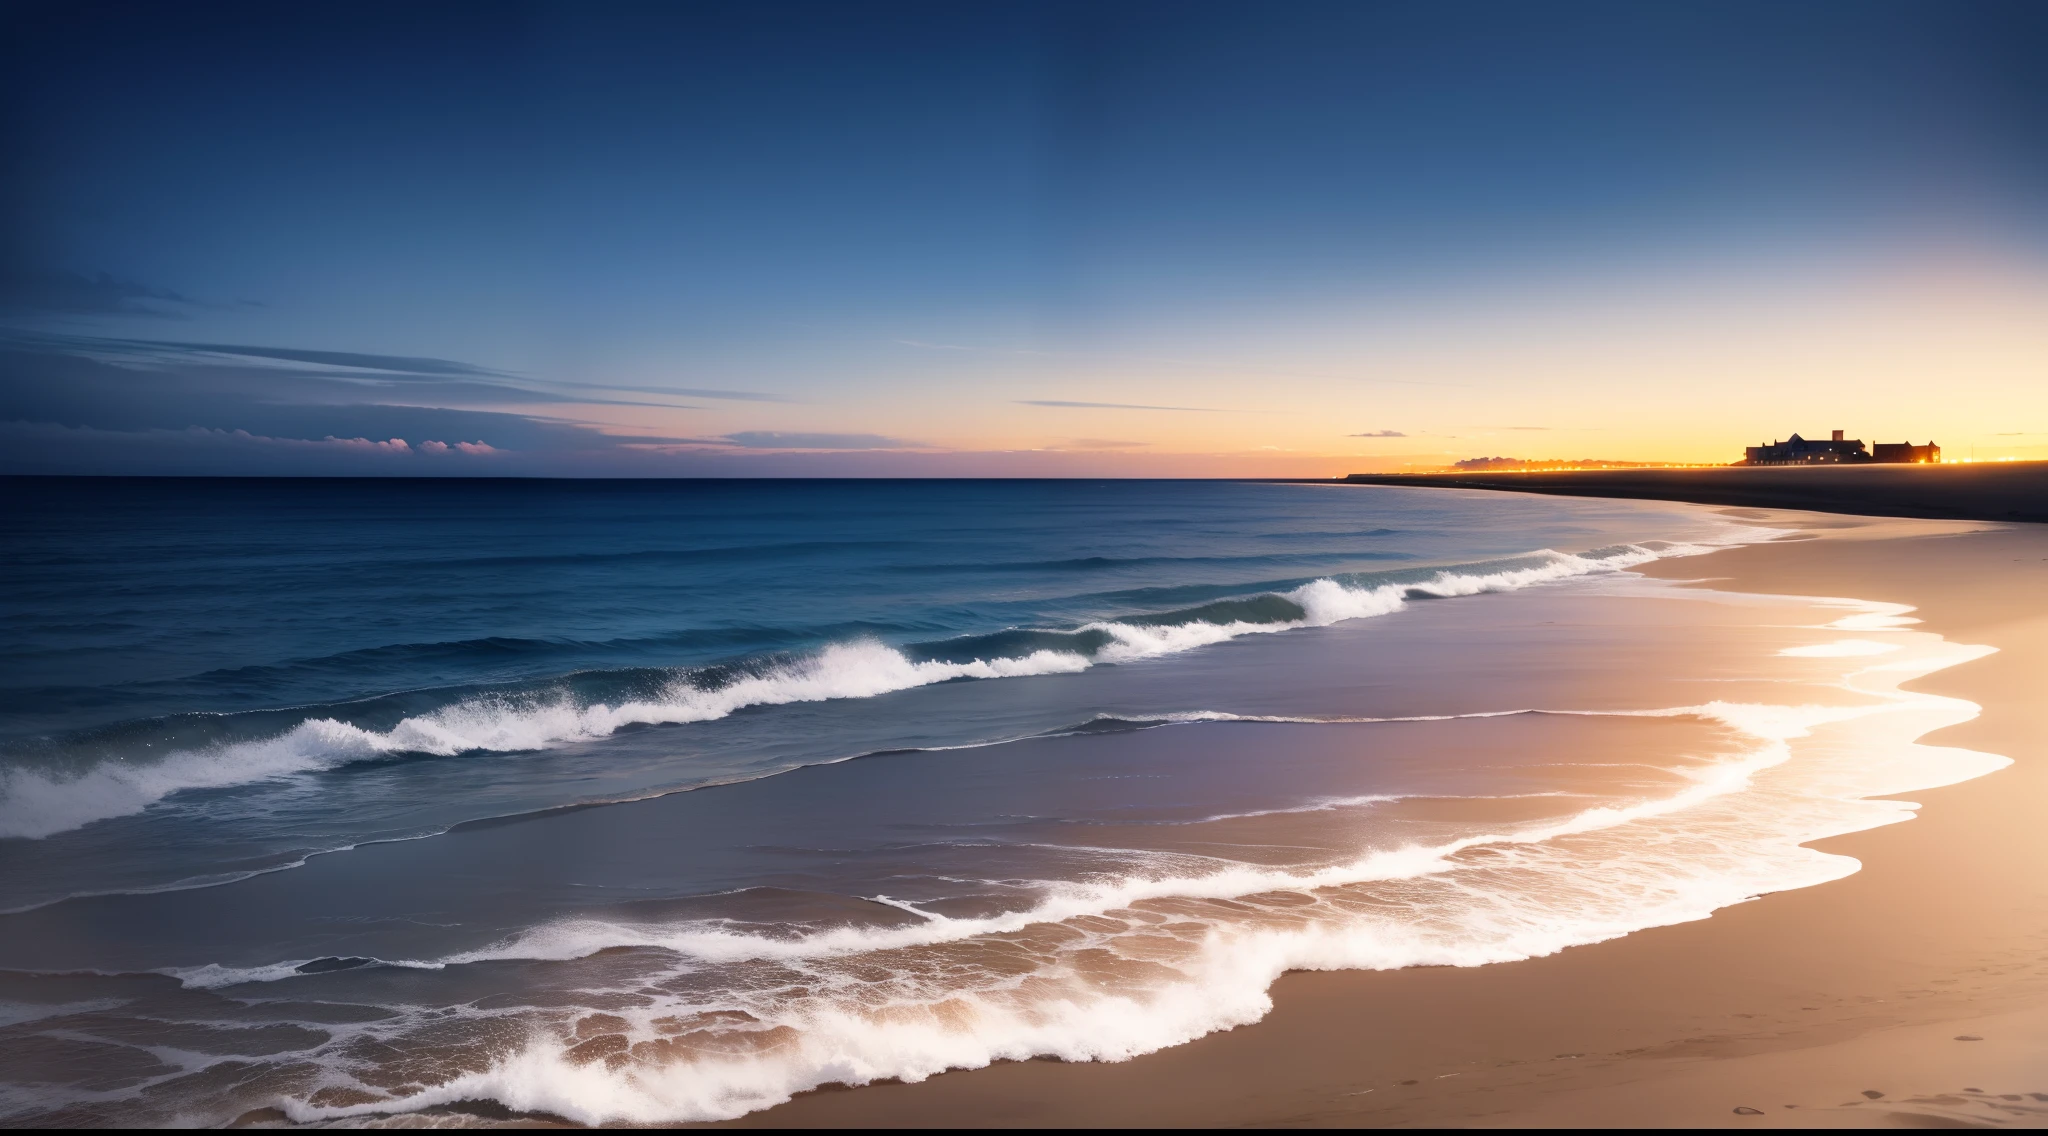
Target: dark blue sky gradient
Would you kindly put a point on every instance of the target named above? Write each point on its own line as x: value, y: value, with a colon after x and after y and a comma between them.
x: 864, y: 208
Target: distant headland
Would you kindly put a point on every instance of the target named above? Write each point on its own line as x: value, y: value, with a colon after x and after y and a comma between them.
x: 1989, y: 491
x: 1795, y: 450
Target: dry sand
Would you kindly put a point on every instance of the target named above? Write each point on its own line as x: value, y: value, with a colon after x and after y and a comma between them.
x: 1839, y: 1005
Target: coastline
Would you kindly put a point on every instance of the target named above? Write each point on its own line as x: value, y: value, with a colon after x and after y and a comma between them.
x: 1806, y: 998
x: 1990, y: 491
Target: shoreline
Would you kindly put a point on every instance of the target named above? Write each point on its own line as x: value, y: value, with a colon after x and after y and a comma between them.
x: 1850, y: 982
x: 1989, y: 491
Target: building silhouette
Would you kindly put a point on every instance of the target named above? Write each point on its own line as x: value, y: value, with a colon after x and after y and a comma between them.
x: 1929, y: 454
x: 1799, y: 451
x: 1838, y: 450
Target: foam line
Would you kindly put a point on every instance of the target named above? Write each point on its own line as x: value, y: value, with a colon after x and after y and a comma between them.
x: 36, y: 803
x: 1839, y: 649
x: 1736, y: 830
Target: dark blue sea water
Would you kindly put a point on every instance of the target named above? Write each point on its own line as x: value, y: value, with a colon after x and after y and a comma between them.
x: 353, y: 797
x: 234, y: 674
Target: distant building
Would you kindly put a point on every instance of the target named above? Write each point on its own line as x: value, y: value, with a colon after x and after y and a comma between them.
x: 1929, y: 454
x: 1798, y: 451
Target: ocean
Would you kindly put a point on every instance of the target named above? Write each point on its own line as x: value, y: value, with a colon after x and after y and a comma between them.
x: 653, y: 801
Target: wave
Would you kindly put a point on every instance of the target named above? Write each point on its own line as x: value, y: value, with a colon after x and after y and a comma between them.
x: 1183, y: 875
x: 424, y: 667
x: 1773, y: 727
x: 39, y: 802
x: 901, y: 1001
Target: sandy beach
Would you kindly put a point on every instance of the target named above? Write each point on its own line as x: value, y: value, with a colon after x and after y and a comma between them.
x: 1912, y: 993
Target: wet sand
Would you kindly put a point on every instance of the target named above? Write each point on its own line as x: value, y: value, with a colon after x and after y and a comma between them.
x: 1993, y: 491
x: 1800, y: 1005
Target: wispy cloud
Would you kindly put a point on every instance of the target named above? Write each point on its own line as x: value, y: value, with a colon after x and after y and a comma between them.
x: 134, y: 398
x: 781, y: 440
x: 397, y: 364
x: 207, y: 435
x: 1378, y: 434
x: 685, y: 392
x: 1063, y: 403
x: 352, y: 445
x: 427, y: 366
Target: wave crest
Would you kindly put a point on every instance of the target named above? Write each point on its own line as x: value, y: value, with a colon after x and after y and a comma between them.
x: 36, y: 803
x: 1131, y: 962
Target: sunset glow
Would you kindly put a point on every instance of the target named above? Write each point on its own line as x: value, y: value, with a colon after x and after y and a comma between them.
x: 1010, y: 242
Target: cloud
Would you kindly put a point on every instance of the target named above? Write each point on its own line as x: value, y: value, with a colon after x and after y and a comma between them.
x: 130, y: 383
x: 779, y: 440
x: 358, y: 445
x: 1099, y: 444
x: 688, y: 392
x: 72, y: 293
x: 349, y: 445
x: 473, y: 448
x: 292, y: 376
x: 401, y: 364
x: 419, y: 365
x: 129, y: 394
x: 1378, y: 434
x: 1110, y: 405
x: 47, y: 447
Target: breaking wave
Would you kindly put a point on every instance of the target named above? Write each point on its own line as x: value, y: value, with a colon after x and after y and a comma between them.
x: 40, y: 801
x: 1165, y: 950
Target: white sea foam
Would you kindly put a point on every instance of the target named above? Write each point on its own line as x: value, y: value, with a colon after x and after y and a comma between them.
x: 1208, y: 940
x: 1840, y: 649
x: 36, y: 803
x: 1871, y: 615
x: 1319, y: 805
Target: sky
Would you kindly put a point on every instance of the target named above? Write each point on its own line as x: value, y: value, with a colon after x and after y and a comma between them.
x: 1033, y: 239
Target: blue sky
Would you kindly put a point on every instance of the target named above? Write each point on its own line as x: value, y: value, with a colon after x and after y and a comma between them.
x: 1175, y: 239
